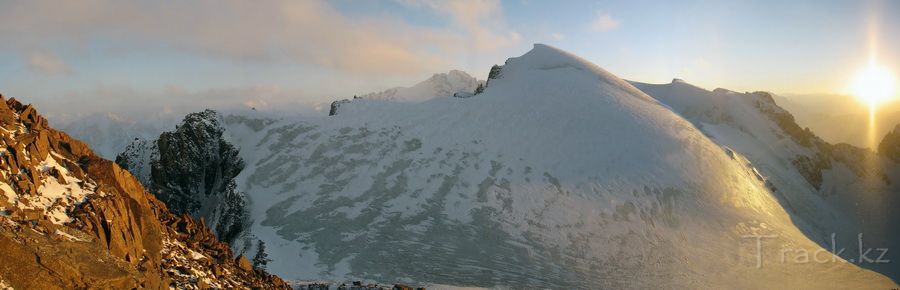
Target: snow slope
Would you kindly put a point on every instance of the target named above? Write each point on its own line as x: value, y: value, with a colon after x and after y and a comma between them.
x: 558, y: 175
x: 829, y: 189
x: 438, y: 85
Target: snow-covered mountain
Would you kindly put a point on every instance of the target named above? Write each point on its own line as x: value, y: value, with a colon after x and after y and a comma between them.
x: 438, y: 85
x: 452, y: 84
x: 557, y: 175
x: 830, y: 189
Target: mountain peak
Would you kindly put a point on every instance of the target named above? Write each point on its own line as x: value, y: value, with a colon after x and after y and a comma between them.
x: 545, y: 64
x: 437, y: 86
x: 553, y: 148
x: 546, y: 57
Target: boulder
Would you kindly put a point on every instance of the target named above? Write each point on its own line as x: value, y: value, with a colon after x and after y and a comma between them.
x: 243, y: 263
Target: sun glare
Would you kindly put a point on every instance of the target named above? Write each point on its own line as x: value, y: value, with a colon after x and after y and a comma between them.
x: 874, y: 85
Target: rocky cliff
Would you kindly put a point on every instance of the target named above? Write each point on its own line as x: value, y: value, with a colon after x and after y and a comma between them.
x: 192, y: 170
x: 70, y: 219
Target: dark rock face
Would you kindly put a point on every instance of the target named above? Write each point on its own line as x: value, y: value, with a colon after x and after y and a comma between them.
x: 337, y: 105
x: 103, y: 230
x: 811, y: 168
x: 890, y: 145
x: 785, y: 120
x: 495, y: 73
x: 194, y: 174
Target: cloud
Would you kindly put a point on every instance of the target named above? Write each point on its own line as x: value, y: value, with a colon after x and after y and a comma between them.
x: 309, y: 32
x: 481, y: 21
x: 139, y: 103
x: 47, y: 63
x: 604, y: 23
x: 557, y: 36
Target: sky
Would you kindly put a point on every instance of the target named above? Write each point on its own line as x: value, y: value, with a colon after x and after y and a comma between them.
x: 147, y: 57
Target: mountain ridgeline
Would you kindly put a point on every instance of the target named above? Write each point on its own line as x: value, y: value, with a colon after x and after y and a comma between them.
x: 192, y: 170
x: 451, y: 84
x: 836, y: 192
x: 553, y: 174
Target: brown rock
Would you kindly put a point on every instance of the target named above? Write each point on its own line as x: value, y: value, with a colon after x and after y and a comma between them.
x: 58, y: 175
x: 243, y: 263
x: 202, y: 284
x: 126, y: 226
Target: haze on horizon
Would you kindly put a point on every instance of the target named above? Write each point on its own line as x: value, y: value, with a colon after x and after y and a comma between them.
x: 148, y: 57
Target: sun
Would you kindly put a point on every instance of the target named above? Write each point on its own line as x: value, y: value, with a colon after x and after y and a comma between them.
x: 874, y: 85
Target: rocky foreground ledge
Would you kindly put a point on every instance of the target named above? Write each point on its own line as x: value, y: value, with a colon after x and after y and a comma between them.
x: 72, y: 220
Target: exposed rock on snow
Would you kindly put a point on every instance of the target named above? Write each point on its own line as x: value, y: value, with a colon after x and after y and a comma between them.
x: 336, y: 105
x: 493, y: 74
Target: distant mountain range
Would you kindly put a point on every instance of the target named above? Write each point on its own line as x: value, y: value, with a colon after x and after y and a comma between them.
x: 841, y: 118
x: 438, y: 85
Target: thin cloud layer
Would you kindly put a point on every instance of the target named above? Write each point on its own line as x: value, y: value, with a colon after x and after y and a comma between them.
x: 604, y: 23
x: 482, y: 21
x: 47, y: 63
x: 307, y: 32
x: 175, y: 101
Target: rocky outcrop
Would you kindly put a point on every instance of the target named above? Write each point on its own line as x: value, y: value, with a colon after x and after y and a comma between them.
x: 821, y: 155
x: 811, y: 168
x: 71, y: 220
x: 495, y: 73
x: 337, y: 105
x: 192, y: 170
x: 766, y: 104
x: 890, y: 145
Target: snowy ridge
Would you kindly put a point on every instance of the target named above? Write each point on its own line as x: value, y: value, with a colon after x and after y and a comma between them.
x: 558, y: 174
x: 829, y: 188
x: 439, y: 85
